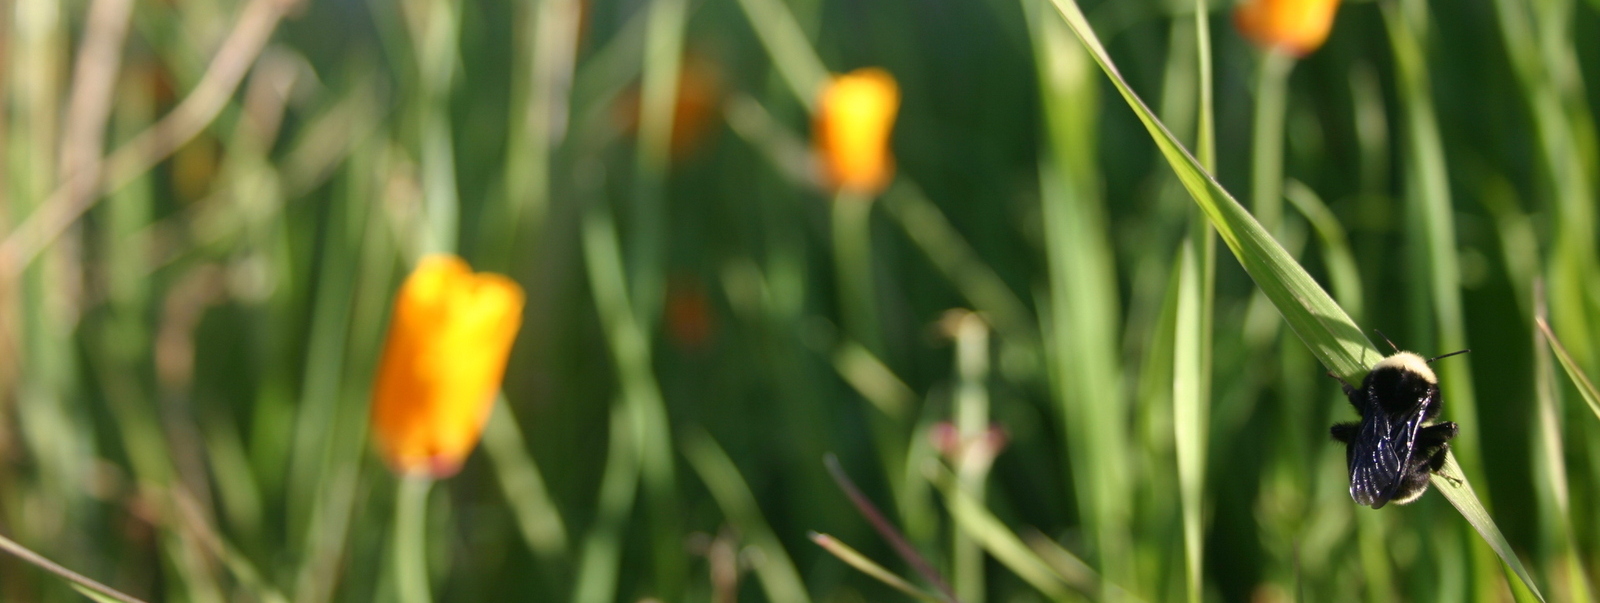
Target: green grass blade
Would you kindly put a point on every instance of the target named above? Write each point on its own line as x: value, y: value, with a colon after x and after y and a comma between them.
x: 869, y: 567
x: 1336, y: 255
x: 779, y: 578
x: 595, y: 580
x: 1581, y: 381
x: 1190, y: 412
x: 1084, y: 307
x: 786, y: 43
x: 1191, y: 371
x: 1450, y: 482
x: 960, y: 263
x: 976, y: 520
x: 537, y: 516
x: 84, y: 584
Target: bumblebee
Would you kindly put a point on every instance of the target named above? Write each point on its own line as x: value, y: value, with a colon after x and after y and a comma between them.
x: 1395, y: 446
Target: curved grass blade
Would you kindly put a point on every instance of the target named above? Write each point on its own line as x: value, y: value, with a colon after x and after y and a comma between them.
x: 1581, y: 381
x: 1452, y: 483
x: 1324, y: 327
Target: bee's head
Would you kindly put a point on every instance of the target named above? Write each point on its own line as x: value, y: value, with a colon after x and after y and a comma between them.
x: 1403, y: 378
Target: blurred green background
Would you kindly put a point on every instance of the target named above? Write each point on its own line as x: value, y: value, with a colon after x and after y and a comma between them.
x: 208, y: 205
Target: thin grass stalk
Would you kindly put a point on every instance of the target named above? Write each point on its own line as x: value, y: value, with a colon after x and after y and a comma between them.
x: 410, y: 539
x: 77, y: 580
x: 962, y: 266
x: 630, y: 351
x: 595, y: 580
x: 852, y: 257
x: 1083, y: 298
x: 1563, y: 565
x: 321, y: 390
x: 974, y: 451
x: 538, y: 519
x: 788, y: 46
x: 331, y: 522
x: 1266, y: 147
x: 435, y: 31
x: 972, y: 517
x: 867, y: 566
x: 663, y: 57
x: 548, y: 41
x: 1343, y: 274
x: 51, y: 429
x: 780, y: 580
x: 1191, y: 383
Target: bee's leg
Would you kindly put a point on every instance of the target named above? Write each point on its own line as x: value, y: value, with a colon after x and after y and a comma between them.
x: 1432, y: 443
x: 1344, y: 432
x: 1436, y: 435
x: 1348, y: 389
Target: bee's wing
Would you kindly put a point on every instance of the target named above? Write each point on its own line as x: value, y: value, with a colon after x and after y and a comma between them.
x: 1381, y: 452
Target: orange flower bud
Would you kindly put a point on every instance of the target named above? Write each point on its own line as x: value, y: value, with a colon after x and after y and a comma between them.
x: 442, y: 364
x: 851, y: 129
x: 1297, y: 27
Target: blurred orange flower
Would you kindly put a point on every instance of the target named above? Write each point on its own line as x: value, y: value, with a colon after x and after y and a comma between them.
x: 442, y: 364
x: 1297, y: 27
x: 851, y: 131
x: 695, y: 114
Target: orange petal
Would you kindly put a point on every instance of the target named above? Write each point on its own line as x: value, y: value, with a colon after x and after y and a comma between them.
x: 855, y: 117
x: 449, y: 337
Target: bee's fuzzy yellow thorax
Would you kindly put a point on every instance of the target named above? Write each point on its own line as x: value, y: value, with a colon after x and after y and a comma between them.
x: 1407, y: 361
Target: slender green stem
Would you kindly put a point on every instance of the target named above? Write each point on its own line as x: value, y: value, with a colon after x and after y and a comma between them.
x: 976, y: 452
x: 663, y: 52
x: 852, y: 256
x: 21, y: 552
x: 1272, y: 79
x: 596, y: 577
x: 1191, y: 382
x: 410, y: 543
x: 536, y: 513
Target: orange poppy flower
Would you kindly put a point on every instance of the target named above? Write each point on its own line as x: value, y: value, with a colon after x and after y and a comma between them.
x: 851, y: 131
x: 1297, y: 27
x: 442, y: 364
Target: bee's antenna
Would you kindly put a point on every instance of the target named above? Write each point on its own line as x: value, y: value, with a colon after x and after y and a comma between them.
x: 1391, y: 343
x: 1430, y: 360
